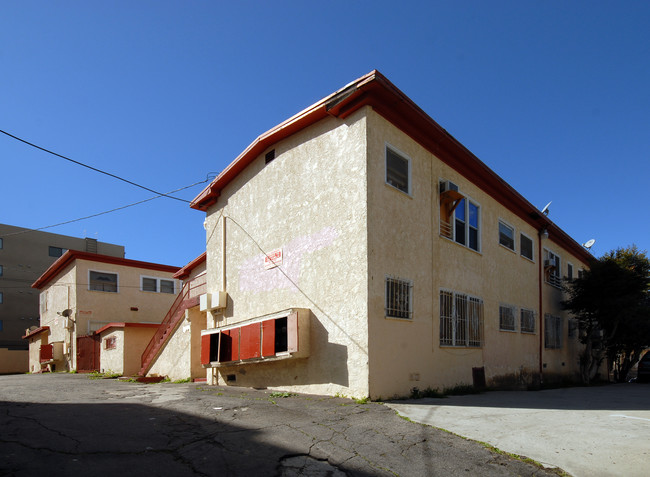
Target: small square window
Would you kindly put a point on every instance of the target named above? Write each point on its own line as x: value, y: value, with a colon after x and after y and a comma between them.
x: 506, y: 236
x: 56, y: 251
x: 149, y: 284
x: 110, y: 342
x: 398, y: 171
x: 507, y: 320
x: 525, y: 247
x: 398, y: 298
x: 166, y: 286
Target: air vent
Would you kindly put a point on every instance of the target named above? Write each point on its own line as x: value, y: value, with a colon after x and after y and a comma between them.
x: 269, y: 156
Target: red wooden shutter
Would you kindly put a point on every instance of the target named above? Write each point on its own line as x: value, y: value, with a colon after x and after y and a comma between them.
x: 250, y: 341
x: 205, y: 349
x: 229, y: 345
x: 292, y: 333
x: 268, y: 338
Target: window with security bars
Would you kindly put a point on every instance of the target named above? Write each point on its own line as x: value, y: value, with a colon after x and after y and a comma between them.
x: 461, y: 320
x: 507, y: 320
x: 552, y: 268
x: 527, y: 324
x: 399, y: 298
x: 552, y: 331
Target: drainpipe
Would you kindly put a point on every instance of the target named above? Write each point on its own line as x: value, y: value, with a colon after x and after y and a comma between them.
x: 543, y: 233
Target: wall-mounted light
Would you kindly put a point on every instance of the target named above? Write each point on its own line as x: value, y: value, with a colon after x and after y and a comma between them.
x: 543, y: 233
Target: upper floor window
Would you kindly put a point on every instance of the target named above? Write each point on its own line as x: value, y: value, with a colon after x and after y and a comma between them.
x: 0, y: 270
x: 506, y: 235
x: 1, y: 244
x: 459, y: 216
x: 569, y: 271
x: 56, y: 251
x: 398, y: 170
x: 1, y: 298
x: 102, y: 281
x: 552, y: 268
x: 526, y: 246
x: 399, y: 298
x: 160, y: 285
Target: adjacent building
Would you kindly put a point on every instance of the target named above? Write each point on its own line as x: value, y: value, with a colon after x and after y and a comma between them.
x: 93, y: 304
x: 24, y: 255
x: 358, y: 248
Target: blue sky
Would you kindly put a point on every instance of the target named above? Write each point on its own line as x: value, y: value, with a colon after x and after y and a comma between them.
x: 554, y: 96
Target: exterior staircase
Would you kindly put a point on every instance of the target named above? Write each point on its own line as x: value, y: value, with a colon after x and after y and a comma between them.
x: 187, y: 298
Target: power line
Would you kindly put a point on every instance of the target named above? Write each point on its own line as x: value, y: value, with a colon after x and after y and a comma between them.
x: 92, y: 168
x: 208, y: 178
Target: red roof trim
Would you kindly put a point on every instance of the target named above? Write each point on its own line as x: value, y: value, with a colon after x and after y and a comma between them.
x: 386, y: 99
x: 126, y: 325
x: 38, y: 330
x: 72, y: 255
x: 184, y: 272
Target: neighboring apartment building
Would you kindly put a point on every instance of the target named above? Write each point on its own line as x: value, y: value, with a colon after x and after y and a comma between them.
x: 82, y: 293
x: 358, y: 248
x: 24, y: 255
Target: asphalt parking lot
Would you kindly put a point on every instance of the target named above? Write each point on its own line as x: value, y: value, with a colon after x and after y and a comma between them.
x: 595, y: 431
x: 69, y: 425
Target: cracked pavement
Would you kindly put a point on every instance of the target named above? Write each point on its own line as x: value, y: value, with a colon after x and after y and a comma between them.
x: 68, y: 424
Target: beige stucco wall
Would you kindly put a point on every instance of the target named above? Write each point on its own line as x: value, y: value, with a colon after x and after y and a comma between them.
x: 35, y: 343
x: 175, y: 359
x: 404, y: 241
x: 309, y: 202
x: 14, y: 361
x: 93, y: 309
x: 112, y: 360
x: 136, y: 340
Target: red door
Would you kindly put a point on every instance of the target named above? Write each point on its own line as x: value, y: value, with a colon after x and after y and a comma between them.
x: 88, y: 353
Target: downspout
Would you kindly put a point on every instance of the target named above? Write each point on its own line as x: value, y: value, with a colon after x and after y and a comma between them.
x: 540, y: 275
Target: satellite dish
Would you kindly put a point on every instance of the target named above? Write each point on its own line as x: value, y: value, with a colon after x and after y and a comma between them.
x: 589, y: 243
x: 545, y: 210
x: 66, y: 312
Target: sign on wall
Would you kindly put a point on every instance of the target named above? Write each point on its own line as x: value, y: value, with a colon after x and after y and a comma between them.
x: 273, y: 259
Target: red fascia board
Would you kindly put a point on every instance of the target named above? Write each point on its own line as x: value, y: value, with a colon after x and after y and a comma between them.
x: 71, y: 255
x: 38, y: 330
x: 386, y: 99
x: 185, y: 271
x: 126, y: 325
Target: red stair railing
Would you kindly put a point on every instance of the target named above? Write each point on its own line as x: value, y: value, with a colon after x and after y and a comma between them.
x: 187, y: 298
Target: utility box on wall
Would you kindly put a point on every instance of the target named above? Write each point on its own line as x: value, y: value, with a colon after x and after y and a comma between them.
x: 213, y: 301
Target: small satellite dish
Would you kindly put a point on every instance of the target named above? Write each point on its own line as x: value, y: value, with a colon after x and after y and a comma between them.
x: 545, y: 210
x: 66, y: 312
x: 205, y: 224
x: 589, y: 243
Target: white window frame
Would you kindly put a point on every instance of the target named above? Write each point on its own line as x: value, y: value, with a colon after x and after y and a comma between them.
x: 553, y: 277
x: 456, y: 330
x: 452, y: 221
x: 393, y: 309
x: 553, y: 326
x: 117, y: 281
x: 532, y: 249
x: 514, y: 235
x: 158, y: 287
x: 402, y: 155
x: 523, y: 326
x: 507, y: 313
x: 43, y: 302
x: 569, y: 268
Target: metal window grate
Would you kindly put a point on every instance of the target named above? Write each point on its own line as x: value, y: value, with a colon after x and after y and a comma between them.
x: 527, y: 321
x: 398, y: 298
x: 461, y: 320
x: 507, y: 318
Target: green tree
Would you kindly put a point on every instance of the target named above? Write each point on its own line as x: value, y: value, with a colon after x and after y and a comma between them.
x: 611, y: 302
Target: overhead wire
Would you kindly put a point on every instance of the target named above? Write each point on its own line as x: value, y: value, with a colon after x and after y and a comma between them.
x: 92, y: 168
x: 208, y: 178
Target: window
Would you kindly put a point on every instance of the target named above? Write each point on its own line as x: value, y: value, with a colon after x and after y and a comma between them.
x: 507, y: 320
x: 0, y: 270
x: 102, y: 281
x: 110, y: 342
x: 269, y: 156
x: 1, y: 324
x: 160, y: 285
x: 552, y: 331
x: 526, y: 247
x: 56, y: 251
x: 552, y: 267
x: 1, y: 244
x: 506, y: 236
x: 398, y: 298
x: 581, y: 273
x: 465, y: 230
x: 461, y: 320
x: 573, y: 328
x: 1, y: 299
x: 398, y: 170
x: 569, y: 271
x: 43, y: 302
x: 527, y: 324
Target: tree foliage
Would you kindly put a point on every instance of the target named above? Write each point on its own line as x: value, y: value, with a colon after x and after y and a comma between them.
x: 611, y: 302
